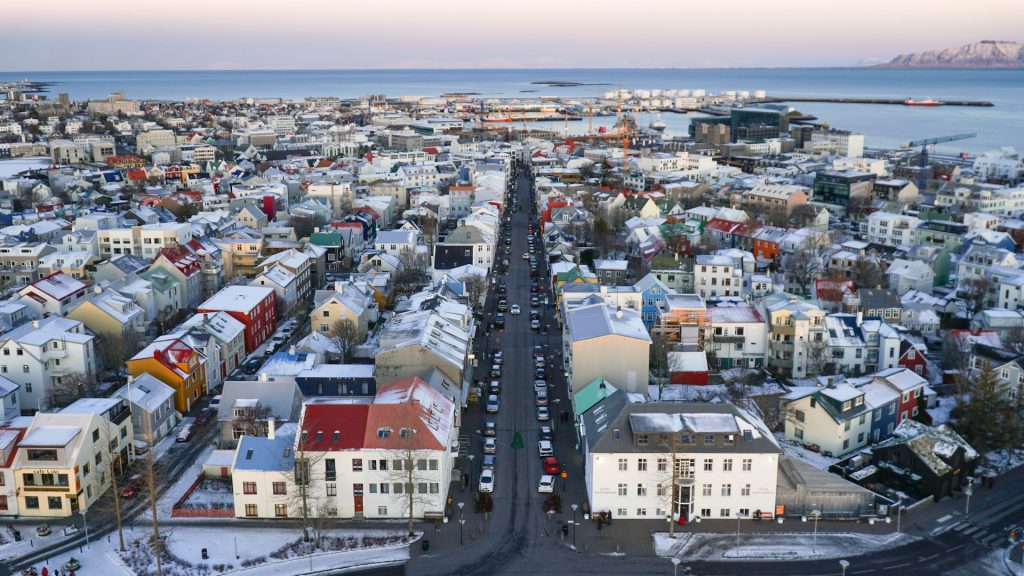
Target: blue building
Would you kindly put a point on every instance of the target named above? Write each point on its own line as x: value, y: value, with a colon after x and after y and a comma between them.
x: 883, y: 402
x: 652, y: 293
x: 338, y: 380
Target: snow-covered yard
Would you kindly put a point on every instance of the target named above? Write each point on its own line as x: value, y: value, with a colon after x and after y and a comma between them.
x: 815, y: 459
x: 940, y: 414
x: 260, y: 552
x: 210, y: 494
x: 183, y: 483
x: 773, y: 546
x: 999, y: 461
x: 9, y: 168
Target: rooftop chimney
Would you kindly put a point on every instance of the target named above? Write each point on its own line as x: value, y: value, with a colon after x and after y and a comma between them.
x: 860, y: 317
x: 271, y: 428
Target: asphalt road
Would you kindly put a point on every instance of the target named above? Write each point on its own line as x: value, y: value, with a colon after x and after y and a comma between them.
x: 519, y: 539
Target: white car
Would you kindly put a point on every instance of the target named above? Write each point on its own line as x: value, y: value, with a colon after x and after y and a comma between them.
x: 515, y: 310
x: 492, y: 404
x: 490, y: 446
x: 546, y: 484
x: 545, y: 449
x: 487, y: 480
x: 539, y: 385
x: 542, y: 413
x: 535, y: 324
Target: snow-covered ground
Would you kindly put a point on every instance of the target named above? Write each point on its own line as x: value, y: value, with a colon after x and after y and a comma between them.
x: 176, y: 491
x: 773, y: 546
x: 9, y: 168
x: 815, y: 459
x: 940, y: 414
x: 185, y: 545
x: 999, y: 461
x: 211, y: 494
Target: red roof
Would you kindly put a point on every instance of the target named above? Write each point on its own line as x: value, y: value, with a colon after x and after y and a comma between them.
x: 832, y: 290
x: 321, y: 421
x: 137, y: 175
x: 431, y: 150
x: 182, y: 258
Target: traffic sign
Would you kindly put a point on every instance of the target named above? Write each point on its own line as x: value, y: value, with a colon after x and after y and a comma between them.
x: 564, y: 474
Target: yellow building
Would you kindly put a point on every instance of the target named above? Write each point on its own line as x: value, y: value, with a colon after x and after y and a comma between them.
x: 176, y: 364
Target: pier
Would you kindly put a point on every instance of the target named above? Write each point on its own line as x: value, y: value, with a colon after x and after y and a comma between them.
x: 886, y: 101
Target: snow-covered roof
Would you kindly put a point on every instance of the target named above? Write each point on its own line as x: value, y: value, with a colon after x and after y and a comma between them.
x: 51, y: 436
x: 597, y: 320
x: 237, y: 298
x: 146, y: 392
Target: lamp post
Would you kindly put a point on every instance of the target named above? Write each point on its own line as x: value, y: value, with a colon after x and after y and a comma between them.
x: 675, y: 565
x: 969, y: 490
x: 738, y: 516
x: 462, y: 522
x: 845, y: 564
x: 899, y: 514
x: 816, y: 514
x: 85, y: 524
x: 668, y: 520
x: 574, y: 507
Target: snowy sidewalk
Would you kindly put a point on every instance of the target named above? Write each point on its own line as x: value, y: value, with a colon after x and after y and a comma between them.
x: 779, y: 546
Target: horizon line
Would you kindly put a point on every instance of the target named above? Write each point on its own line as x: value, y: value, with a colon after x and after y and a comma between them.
x: 450, y: 68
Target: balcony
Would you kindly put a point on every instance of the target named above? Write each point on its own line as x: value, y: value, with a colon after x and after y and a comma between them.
x: 58, y: 353
x: 730, y: 339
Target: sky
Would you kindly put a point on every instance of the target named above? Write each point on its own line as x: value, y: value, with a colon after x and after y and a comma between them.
x: 62, y: 35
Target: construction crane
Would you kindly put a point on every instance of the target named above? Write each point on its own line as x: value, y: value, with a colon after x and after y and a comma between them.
x: 922, y: 181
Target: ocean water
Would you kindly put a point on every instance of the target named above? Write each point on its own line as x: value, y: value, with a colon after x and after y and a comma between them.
x: 884, y: 126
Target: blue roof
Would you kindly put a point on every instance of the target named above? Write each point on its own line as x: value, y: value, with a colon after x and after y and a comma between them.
x: 258, y: 453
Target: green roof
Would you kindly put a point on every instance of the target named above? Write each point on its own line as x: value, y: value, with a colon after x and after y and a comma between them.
x: 325, y: 238
x: 591, y: 394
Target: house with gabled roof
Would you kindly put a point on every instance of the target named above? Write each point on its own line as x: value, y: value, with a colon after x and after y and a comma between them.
x: 55, y: 294
x: 834, y: 417
x: 176, y: 364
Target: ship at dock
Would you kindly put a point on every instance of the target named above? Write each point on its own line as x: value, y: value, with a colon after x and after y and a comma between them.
x: 927, y: 102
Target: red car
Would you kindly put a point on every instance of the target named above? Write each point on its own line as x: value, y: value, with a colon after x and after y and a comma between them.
x: 551, y: 466
x: 129, y: 491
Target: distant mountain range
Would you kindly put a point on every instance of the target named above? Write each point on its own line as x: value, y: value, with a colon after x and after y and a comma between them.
x: 984, y: 54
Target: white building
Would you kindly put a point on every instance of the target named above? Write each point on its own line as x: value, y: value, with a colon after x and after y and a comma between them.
x: 726, y: 461
x: 892, y: 229
x: 145, y: 241
x: 838, y: 142
x: 715, y: 276
x: 40, y: 353
x: 396, y: 242
x: 835, y: 418
x: 739, y: 335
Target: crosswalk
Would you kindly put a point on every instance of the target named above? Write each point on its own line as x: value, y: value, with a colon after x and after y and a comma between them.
x: 992, y: 538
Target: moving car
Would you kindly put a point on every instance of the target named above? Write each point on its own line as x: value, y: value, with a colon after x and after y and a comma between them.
x: 526, y: 256
x: 492, y: 404
x: 546, y: 484
x: 545, y: 449
x: 490, y: 446
x: 515, y: 310
x: 487, y: 481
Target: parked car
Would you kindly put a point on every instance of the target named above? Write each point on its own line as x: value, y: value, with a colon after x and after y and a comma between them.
x: 495, y: 371
x: 487, y: 481
x: 502, y: 305
x: 535, y: 324
x: 499, y: 357
x: 490, y: 429
x: 542, y: 397
x: 551, y: 465
x: 499, y: 320
x: 490, y: 446
x: 215, y: 401
x: 546, y: 484
x: 538, y: 362
x: 545, y: 432
x: 187, y: 429
x: 492, y: 404
x: 539, y: 385
x: 495, y: 386
x: 489, y: 461
x: 540, y: 374
x: 542, y: 413
x: 544, y: 448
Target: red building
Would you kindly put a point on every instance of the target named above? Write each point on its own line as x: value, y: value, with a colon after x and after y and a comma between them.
x: 688, y: 368
x: 253, y: 306
x: 910, y: 386
x: 913, y: 358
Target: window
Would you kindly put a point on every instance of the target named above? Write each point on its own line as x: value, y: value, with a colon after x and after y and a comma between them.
x: 709, y: 439
x: 687, y: 438
x: 382, y: 510
x: 727, y: 465
x: 641, y: 465
x: 621, y: 512
x: 707, y: 490
x: 385, y: 488
x: 54, y: 503
x: 435, y: 488
x: 745, y: 491
x: 726, y: 489
x: 357, y: 464
x: 725, y: 513
x: 662, y: 490
x: 248, y: 487
x: 24, y: 368
x: 623, y: 489
x: 846, y: 444
x: 281, y: 510
x: 96, y: 435
x: 396, y: 465
x: 860, y: 438
x: 623, y: 465
x: 330, y: 473
x: 641, y: 439
x: 432, y: 464
x: 32, y: 502
x: 332, y: 489
x: 744, y: 512
x: 278, y: 488
x: 641, y: 490
x: 373, y: 488
x: 3, y: 502
x: 662, y: 466
x: 397, y: 487
x: 251, y: 510
x: 641, y: 511
x: 708, y: 464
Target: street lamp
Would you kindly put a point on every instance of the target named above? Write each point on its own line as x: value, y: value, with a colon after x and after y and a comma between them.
x: 574, y: 507
x: 816, y: 514
x: 845, y: 564
x: 675, y: 565
x: 462, y: 522
x: 738, y: 516
x: 85, y: 524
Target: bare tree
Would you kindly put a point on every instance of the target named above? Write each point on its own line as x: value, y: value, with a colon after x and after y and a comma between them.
x: 412, y: 273
x: 115, y: 349
x: 476, y: 290
x: 659, y: 349
x: 345, y: 337
x: 803, y: 267
x: 818, y: 355
x: 670, y: 471
x: 70, y: 387
x: 310, y: 479
x: 802, y: 216
x: 410, y: 477
x: 974, y: 291
x: 866, y: 273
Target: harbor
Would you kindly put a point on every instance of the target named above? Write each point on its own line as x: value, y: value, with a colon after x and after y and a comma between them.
x: 885, y: 101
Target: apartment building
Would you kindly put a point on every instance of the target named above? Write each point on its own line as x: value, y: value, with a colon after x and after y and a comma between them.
x: 146, y: 240
x: 678, y: 460
x: 39, y: 354
x: 797, y: 343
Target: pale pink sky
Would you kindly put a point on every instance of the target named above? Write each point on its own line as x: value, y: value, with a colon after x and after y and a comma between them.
x: 312, y: 34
